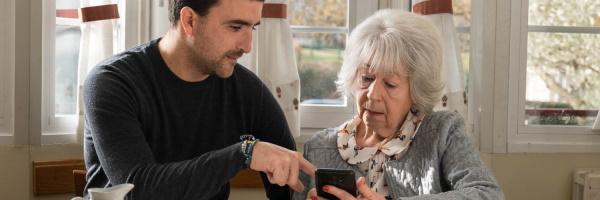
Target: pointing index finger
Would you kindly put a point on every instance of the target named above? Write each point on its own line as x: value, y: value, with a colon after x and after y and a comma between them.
x: 306, y: 166
x: 293, y: 180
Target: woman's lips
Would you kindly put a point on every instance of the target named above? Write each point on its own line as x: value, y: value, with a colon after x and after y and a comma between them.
x: 374, y: 113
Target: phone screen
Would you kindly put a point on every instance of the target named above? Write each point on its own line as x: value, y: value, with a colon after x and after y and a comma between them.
x: 340, y: 178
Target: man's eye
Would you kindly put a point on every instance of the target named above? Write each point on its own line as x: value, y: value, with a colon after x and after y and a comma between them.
x: 236, y: 27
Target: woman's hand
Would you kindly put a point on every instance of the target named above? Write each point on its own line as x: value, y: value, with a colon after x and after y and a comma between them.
x: 365, y: 192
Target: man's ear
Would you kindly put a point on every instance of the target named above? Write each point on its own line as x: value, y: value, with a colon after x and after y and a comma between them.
x: 187, y: 17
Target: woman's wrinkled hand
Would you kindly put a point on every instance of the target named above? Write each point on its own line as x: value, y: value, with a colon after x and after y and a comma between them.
x: 365, y: 193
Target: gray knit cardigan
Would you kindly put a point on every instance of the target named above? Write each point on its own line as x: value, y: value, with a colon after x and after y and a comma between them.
x: 440, y: 163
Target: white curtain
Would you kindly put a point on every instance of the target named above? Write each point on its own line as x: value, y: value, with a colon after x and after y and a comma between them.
x: 96, y: 44
x: 455, y: 98
x: 272, y: 59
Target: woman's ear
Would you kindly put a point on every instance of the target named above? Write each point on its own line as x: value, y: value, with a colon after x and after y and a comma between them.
x: 187, y: 18
x: 414, y: 110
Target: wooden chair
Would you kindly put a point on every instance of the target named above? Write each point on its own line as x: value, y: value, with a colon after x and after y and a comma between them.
x: 56, y: 176
x: 78, y: 182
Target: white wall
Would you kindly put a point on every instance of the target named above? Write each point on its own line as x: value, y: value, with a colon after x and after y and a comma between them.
x: 159, y: 23
x: 16, y: 172
x: 539, y: 176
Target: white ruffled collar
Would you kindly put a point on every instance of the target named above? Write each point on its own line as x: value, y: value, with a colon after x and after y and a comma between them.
x: 392, y: 148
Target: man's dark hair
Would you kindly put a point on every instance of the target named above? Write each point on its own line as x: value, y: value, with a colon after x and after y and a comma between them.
x: 201, y: 8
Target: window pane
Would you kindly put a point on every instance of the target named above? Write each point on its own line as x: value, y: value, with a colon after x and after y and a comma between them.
x: 328, y: 13
x: 67, y: 4
x: 462, y: 12
x: 464, y: 45
x: 66, y: 59
x: 319, y: 58
x: 564, y: 13
x: 563, y: 77
x: 462, y: 20
x: 65, y: 69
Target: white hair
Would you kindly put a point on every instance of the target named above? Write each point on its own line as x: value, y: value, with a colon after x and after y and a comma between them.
x: 399, y: 42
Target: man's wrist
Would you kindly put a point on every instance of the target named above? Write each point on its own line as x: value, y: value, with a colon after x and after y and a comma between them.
x: 247, y: 147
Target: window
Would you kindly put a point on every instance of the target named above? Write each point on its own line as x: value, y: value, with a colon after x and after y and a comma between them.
x: 462, y: 20
x: 320, y: 29
x: 461, y: 10
x: 38, y: 66
x: 61, y: 72
x: 6, y: 69
x: 557, y: 72
x: 563, y: 64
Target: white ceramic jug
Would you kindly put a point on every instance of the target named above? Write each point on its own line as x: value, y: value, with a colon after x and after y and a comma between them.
x: 116, y: 192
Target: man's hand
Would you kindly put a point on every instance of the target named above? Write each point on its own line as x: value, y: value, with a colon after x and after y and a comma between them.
x: 281, y: 165
x: 365, y: 192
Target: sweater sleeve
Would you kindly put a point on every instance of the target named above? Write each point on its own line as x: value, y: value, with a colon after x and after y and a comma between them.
x: 463, y: 171
x: 273, y: 128
x: 126, y: 157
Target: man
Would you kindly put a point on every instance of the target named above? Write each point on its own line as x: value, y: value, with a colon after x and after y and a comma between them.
x: 167, y: 116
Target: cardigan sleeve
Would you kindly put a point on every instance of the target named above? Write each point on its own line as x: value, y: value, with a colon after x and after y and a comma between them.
x: 462, y: 169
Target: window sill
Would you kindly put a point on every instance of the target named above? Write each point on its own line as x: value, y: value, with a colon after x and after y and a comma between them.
x: 553, y: 147
x: 59, y: 138
x: 6, y: 139
x: 554, y: 139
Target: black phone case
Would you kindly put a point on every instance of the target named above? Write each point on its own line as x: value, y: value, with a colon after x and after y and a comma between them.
x: 341, y: 178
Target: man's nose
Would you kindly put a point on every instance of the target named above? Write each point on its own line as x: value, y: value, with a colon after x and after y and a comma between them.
x: 245, y: 43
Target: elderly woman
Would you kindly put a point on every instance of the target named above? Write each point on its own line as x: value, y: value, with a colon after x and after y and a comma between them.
x: 396, y: 144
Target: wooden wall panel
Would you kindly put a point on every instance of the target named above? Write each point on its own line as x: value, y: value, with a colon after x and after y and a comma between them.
x: 55, y: 177
x: 246, y: 179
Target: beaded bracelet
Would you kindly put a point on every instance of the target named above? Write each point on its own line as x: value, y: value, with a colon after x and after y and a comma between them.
x: 248, y: 142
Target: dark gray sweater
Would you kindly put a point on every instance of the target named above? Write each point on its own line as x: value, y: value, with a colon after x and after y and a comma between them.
x: 174, y: 139
x: 440, y: 163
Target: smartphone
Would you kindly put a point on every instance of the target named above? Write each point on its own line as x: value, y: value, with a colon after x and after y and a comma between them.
x: 340, y: 178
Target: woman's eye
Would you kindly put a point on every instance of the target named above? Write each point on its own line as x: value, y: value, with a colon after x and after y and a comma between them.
x: 390, y: 85
x: 366, y: 80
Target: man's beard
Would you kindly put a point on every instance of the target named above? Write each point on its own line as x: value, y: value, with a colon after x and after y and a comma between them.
x: 209, y: 66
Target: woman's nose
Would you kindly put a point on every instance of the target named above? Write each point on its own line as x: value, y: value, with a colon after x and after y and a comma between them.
x: 374, y: 92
